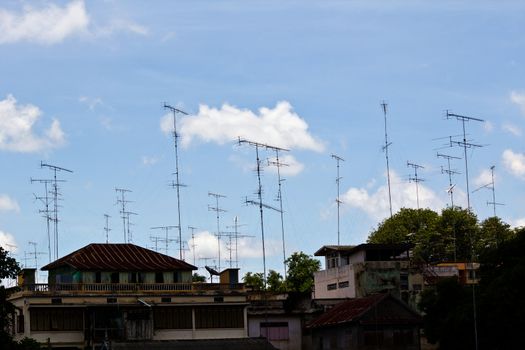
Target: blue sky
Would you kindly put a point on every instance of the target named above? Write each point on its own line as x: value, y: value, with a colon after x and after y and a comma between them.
x: 83, y: 84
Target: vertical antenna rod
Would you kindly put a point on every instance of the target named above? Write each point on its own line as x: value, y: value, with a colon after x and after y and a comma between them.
x: 415, y: 179
x: 106, y: 228
x: 217, y: 211
x: 177, y: 183
x: 55, y: 169
x: 122, y: 200
x: 465, y: 145
x: 46, y: 211
x: 384, y: 106
x: 278, y: 164
x: 337, y: 200
x: 450, y: 172
x: 491, y: 186
x: 166, y: 240
x: 193, y: 245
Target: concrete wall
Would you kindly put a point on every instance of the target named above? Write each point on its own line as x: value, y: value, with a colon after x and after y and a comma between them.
x: 335, y: 275
x: 294, y: 341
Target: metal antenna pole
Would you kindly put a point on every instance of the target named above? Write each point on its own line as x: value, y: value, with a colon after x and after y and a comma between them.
x: 177, y: 183
x: 385, y: 149
x: 56, y: 193
x: 46, y: 212
x: 106, y: 228
x: 217, y: 211
x: 337, y: 200
x: 193, y: 245
x: 236, y: 235
x: 35, y: 255
x: 166, y: 240
x: 415, y: 179
x: 491, y: 186
x: 278, y: 164
x: 465, y: 145
x: 449, y: 172
x: 123, y: 211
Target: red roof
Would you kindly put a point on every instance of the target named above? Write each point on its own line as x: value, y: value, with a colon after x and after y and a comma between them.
x: 353, y: 310
x: 118, y: 257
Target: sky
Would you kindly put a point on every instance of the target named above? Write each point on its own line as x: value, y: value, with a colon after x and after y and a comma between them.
x: 83, y: 85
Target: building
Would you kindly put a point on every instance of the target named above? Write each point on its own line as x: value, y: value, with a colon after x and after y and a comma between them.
x: 365, y: 269
x: 465, y: 272
x: 117, y: 293
x: 379, y: 321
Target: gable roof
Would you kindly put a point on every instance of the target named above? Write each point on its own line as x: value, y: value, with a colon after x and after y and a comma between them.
x: 354, y: 310
x: 118, y: 257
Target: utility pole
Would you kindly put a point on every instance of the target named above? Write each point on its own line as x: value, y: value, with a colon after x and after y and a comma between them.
x: 106, y: 228
x: 177, y: 185
x: 217, y: 211
x: 278, y: 164
x: 384, y: 106
x: 56, y: 195
x: 463, y: 119
x: 166, y: 240
x: 338, y: 200
x: 415, y: 179
x: 449, y: 172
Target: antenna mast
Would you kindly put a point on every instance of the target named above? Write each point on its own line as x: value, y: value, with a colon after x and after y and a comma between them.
x: 384, y: 106
x: 464, y: 144
x: 217, y: 211
x: 106, y: 228
x: 177, y: 183
x: 125, y: 214
x: 193, y: 245
x: 415, y: 179
x: 166, y: 240
x: 449, y: 172
x: 337, y: 200
x: 56, y: 194
x: 278, y: 164
x: 236, y: 235
x: 35, y: 255
x: 45, y: 211
x: 491, y: 186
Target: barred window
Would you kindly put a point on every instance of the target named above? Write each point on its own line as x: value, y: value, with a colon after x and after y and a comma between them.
x: 56, y: 319
x: 219, y: 316
x: 172, y: 317
x: 275, y: 330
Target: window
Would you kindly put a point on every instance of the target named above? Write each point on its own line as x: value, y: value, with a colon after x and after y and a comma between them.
x: 98, y: 277
x: 20, y: 324
x: 159, y: 277
x: 55, y: 319
x: 172, y: 317
x: 132, y: 277
x: 165, y: 300
x: 219, y: 317
x: 274, y: 330
x: 403, y: 337
x: 331, y: 286
x: 344, y: 284
x: 403, y: 281
x: 114, y: 277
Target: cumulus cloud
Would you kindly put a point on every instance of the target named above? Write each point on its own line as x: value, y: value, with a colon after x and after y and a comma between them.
x: 520, y: 222
x: 511, y: 129
x: 518, y: 98
x: 47, y: 25
x: 514, y: 163
x: 52, y: 24
x: 7, y: 241
x: 279, y: 126
x: 8, y: 204
x: 484, y: 178
x: 17, y: 128
x: 376, y: 205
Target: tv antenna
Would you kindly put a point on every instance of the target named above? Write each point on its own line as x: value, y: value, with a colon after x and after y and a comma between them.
x: 35, y: 255
x: 106, y: 228
x: 193, y: 245
x: 177, y: 185
x: 46, y: 211
x: 156, y: 240
x: 463, y: 119
x: 491, y: 187
x: 260, y: 204
x: 217, y: 211
x: 234, y: 246
x: 280, y: 180
x: 449, y: 172
x: 338, y: 200
x: 384, y: 106
x: 166, y: 240
x: 56, y: 194
x: 415, y: 179
x: 125, y: 214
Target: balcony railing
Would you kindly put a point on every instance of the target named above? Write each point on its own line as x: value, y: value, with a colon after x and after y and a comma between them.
x: 102, y: 288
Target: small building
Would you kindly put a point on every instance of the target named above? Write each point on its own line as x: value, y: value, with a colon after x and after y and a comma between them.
x: 365, y: 269
x: 117, y: 293
x: 465, y: 272
x: 378, y: 321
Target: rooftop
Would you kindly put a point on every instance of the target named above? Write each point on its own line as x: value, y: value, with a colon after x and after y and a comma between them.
x: 394, y: 248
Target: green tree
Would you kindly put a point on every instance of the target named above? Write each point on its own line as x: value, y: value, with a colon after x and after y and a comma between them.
x: 254, y: 280
x: 275, y: 281
x: 301, y: 268
x: 493, y: 233
x: 459, y: 231
x: 198, y: 278
x: 8, y: 269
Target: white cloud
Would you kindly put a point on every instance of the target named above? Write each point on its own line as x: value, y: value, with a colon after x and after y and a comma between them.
x: 279, y: 127
x: 518, y: 98
x: 514, y: 163
x: 91, y: 102
x: 8, y: 204
x: 403, y: 196
x: 7, y: 241
x: 520, y: 222
x: 149, y: 160
x: 484, y: 178
x: 512, y: 129
x: 17, y: 124
x: 121, y: 25
x: 488, y: 126
x: 47, y: 25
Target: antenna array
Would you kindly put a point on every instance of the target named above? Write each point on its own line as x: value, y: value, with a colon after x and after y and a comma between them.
x: 338, y: 200
x: 217, y: 211
x: 491, y: 187
x: 106, y: 228
x: 415, y: 179
x: 449, y: 172
x: 166, y: 239
x: 384, y: 106
x: 125, y: 214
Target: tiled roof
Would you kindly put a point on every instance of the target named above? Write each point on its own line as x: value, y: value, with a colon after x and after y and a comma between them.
x: 353, y: 310
x: 118, y: 257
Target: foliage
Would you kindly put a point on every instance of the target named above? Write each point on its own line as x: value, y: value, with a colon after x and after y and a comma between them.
x: 8, y: 266
x: 301, y: 268
x: 275, y: 281
x: 254, y: 280
x: 198, y: 278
